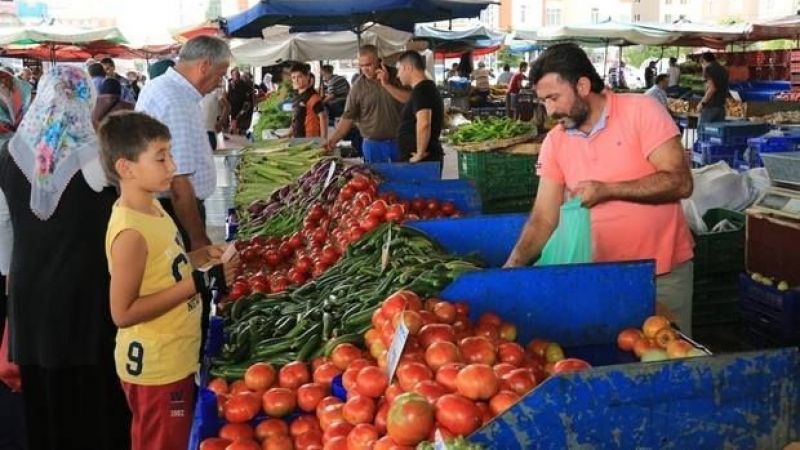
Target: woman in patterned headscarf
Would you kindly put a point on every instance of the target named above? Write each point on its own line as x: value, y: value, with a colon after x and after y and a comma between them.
x: 61, y: 335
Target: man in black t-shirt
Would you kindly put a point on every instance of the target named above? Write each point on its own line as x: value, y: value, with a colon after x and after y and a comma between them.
x: 422, y: 117
x: 712, y: 106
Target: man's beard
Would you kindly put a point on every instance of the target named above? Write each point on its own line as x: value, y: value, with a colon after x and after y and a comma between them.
x: 576, y: 117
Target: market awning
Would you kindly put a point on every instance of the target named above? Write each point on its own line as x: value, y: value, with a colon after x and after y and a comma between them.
x: 60, y: 35
x: 280, y: 45
x: 603, y: 33
x: 353, y: 13
x: 787, y: 27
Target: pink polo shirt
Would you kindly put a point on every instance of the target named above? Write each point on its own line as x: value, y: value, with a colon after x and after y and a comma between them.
x: 617, y: 150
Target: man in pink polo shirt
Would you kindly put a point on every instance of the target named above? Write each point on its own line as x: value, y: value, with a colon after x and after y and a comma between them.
x: 621, y: 154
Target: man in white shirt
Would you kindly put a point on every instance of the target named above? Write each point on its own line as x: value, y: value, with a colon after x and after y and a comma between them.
x: 174, y: 99
x: 674, y: 72
x: 659, y: 89
x: 215, y: 109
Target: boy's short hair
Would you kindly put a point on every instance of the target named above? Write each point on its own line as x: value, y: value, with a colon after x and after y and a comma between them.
x: 126, y: 135
x: 303, y: 68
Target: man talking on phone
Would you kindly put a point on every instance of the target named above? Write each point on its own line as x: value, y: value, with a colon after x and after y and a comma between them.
x: 374, y: 104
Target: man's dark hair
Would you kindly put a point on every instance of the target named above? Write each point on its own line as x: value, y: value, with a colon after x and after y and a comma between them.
x: 327, y: 68
x: 673, y: 60
x: 708, y: 57
x: 523, y: 65
x: 661, y: 77
x: 414, y: 58
x: 108, y: 61
x: 303, y: 68
x: 506, y: 68
x: 96, y: 70
x: 126, y: 135
x: 570, y: 63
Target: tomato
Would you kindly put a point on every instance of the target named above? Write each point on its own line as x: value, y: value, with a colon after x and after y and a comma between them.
x: 309, y: 395
x: 477, y: 382
x: 218, y: 386
x: 418, y: 205
x: 337, y: 429
x: 243, y: 444
x: 458, y: 414
x: 261, y: 287
x: 327, y: 401
x: 445, y: 312
x: 329, y: 255
x: 502, y: 401
x: 297, y: 278
x: 378, y: 209
x: 330, y: 415
x: 432, y: 205
x: 410, y: 420
x: 304, y: 424
x: 335, y: 443
x: 278, y: 402
x: 271, y: 427
x: 359, y: 409
x: 511, y: 352
x: 349, y: 379
x: 358, y: 183
x: 234, y: 431
x: 344, y: 354
x: 508, y: 332
x: 279, y: 284
x: 490, y: 318
x: 241, y: 407
x: 304, y: 265
x: 427, y: 317
x: 412, y: 320
x: 653, y: 324
x: 501, y: 369
x: 571, y: 365
x: 411, y: 373
x: 294, y: 375
x: 363, y: 200
x: 490, y: 332
x: 371, y: 382
x: 448, y: 208
x: 441, y: 353
x: 392, y: 392
x: 395, y: 214
x: 362, y: 437
x: 537, y: 347
x: 478, y: 349
x: 214, y: 443
x: 325, y: 373
x: 386, y: 443
x: 430, y: 389
x: 347, y: 192
x: 446, y: 376
x: 520, y: 381
x: 240, y: 289
x: 308, y: 440
x: 486, y: 412
x: 278, y: 443
x: 553, y: 353
x: 259, y: 376
x: 665, y: 336
x: 295, y: 241
x: 436, y: 332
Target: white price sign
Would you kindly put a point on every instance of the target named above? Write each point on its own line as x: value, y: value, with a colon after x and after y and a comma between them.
x: 396, y: 349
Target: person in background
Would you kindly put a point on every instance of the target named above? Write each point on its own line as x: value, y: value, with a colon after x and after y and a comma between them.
x: 133, y: 81
x: 109, y: 99
x: 454, y: 72
x: 659, y: 90
x: 53, y: 189
x: 155, y: 285
x: 159, y: 68
x: 98, y: 74
x: 481, y: 76
x: 266, y: 85
x: 214, y: 106
x: 622, y: 156
x: 237, y: 95
x: 245, y: 116
x: 111, y: 72
x: 373, y: 104
x: 505, y: 76
x: 37, y: 75
x: 650, y: 75
x: 674, y: 72
x: 422, y: 116
x: 25, y: 75
x: 336, y: 90
x: 514, y: 86
x: 712, y: 106
x: 309, y: 118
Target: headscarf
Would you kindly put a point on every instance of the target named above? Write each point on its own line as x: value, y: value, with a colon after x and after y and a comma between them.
x: 56, y: 138
x: 15, y: 98
x: 266, y: 82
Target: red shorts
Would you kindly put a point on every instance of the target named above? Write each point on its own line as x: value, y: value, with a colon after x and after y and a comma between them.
x: 162, y: 415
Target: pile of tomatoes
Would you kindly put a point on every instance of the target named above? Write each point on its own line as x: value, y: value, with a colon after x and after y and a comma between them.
x: 453, y: 376
x: 272, y: 265
x: 656, y: 341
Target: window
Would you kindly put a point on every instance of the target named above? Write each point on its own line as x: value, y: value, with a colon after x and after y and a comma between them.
x: 681, y: 17
x: 552, y: 16
x: 523, y: 11
x: 683, y: 2
x: 667, y: 18
x: 595, y: 15
x: 637, y: 17
x: 668, y: 2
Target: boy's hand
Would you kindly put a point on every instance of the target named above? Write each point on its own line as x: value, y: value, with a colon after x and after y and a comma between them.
x: 210, y: 282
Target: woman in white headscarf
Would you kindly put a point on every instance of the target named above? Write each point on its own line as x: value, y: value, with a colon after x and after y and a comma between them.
x: 266, y: 84
x: 57, y: 204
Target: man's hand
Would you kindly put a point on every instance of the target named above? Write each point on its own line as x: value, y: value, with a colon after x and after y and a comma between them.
x: 330, y: 144
x: 417, y: 157
x: 591, y: 193
x: 383, y: 75
x: 699, y: 108
x: 512, y: 262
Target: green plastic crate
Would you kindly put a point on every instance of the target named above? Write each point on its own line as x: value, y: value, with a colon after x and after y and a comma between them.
x: 508, y: 205
x: 723, y: 252
x: 499, y: 175
x: 715, y: 300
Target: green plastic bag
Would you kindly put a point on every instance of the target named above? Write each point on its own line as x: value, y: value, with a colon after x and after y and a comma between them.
x: 571, y: 242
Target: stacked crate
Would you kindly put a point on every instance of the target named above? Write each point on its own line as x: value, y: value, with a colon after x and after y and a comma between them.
x: 724, y: 141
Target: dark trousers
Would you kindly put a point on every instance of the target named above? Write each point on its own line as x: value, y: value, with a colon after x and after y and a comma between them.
x: 75, y: 408
x: 12, y: 420
x: 206, y: 311
x: 212, y: 139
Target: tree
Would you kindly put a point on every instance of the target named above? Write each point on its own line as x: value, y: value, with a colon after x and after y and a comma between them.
x: 504, y: 56
x: 635, y: 55
x: 214, y: 10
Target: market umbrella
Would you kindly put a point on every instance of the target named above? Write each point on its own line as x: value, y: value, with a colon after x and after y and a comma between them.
x: 399, y: 14
x: 52, y: 38
x: 787, y: 27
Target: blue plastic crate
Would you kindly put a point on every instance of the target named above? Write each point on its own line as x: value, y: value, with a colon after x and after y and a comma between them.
x: 405, y: 172
x: 768, y: 144
x: 731, y: 133
x: 770, y: 311
x: 462, y: 193
x: 705, y: 153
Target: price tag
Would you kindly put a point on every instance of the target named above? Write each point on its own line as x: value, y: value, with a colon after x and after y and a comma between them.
x: 331, y: 171
x: 386, y: 250
x: 438, y: 441
x: 396, y: 349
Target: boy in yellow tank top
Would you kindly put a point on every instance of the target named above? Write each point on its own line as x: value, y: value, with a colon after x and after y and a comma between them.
x: 154, y: 288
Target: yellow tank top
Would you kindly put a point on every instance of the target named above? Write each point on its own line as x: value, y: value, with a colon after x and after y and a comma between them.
x: 165, y: 349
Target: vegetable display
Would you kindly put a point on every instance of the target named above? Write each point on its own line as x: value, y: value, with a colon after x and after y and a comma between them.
x: 337, y: 306
x: 656, y: 341
x: 489, y: 129
x: 271, y: 116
